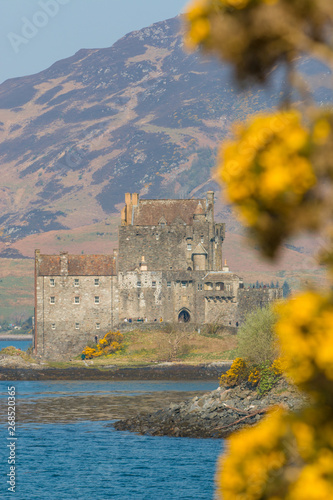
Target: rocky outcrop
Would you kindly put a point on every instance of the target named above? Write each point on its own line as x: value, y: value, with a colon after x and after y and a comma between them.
x: 214, y: 415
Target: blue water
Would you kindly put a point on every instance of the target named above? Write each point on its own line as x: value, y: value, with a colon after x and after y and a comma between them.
x: 28, y: 389
x: 87, y: 460
x: 19, y: 344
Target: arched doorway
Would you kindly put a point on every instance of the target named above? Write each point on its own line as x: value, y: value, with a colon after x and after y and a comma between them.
x: 184, y: 316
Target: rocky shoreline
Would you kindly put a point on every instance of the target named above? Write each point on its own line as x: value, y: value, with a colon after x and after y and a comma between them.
x: 216, y: 414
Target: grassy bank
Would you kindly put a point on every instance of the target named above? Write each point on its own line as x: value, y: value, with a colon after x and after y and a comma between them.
x: 171, y: 345
x: 146, y: 347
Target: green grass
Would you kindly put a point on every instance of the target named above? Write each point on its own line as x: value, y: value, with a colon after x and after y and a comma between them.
x: 16, y: 298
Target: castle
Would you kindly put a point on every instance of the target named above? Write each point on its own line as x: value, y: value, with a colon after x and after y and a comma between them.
x: 168, y: 268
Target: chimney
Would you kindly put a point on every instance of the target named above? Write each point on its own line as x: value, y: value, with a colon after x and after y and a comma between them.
x: 64, y: 263
x: 226, y: 268
x: 127, y: 215
x: 210, y: 206
x: 143, y: 264
x: 210, y: 197
x: 123, y: 216
x: 135, y: 199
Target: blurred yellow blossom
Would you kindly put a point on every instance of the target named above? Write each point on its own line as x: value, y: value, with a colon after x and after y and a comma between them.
x: 262, y: 446
x: 267, y: 172
x: 305, y: 330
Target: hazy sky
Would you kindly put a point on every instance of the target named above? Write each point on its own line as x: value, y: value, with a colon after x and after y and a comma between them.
x: 36, y: 33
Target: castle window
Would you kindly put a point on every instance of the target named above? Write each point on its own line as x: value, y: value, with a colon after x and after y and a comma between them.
x: 241, y: 285
x: 76, y: 282
x: 52, y: 300
x: 98, y: 326
x: 202, y: 239
x: 189, y: 246
x: 76, y: 300
x: 96, y: 299
x: 53, y: 326
x: 184, y: 284
x: 138, y: 284
x: 96, y: 281
x: 153, y: 284
x: 208, y: 286
x: 77, y: 326
x: 219, y: 286
x: 168, y: 284
x: 52, y: 281
x: 228, y: 288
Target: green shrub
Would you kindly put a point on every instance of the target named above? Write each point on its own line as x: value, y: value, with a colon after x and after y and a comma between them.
x: 256, y: 337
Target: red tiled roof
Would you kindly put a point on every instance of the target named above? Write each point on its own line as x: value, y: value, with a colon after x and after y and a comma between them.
x: 149, y: 212
x: 78, y: 265
x: 91, y: 265
x: 49, y: 265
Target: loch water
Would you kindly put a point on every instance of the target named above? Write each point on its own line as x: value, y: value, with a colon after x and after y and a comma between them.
x: 65, y: 450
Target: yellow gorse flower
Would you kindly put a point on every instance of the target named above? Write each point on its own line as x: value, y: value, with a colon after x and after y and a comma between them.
x: 262, y: 445
x: 267, y: 162
x: 235, y: 374
x: 305, y: 330
x: 267, y: 174
x: 278, y: 173
x: 111, y: 342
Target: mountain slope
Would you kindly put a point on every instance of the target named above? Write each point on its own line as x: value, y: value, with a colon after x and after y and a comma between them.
x: 141, y: 116
x: 133, y: 117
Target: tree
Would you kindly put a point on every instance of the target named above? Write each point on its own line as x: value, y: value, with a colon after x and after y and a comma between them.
x: 277, y: 170
x: 286, y: 289
x: 256, y: 337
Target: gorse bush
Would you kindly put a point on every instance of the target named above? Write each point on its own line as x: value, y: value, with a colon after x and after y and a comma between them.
x: 263, y: 377
x: 235, y: 375
x: 257, y: 338
x: 277, y: 170
x: 111, y: 343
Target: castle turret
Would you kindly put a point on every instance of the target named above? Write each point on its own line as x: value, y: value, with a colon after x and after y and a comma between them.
x: 199, y: 213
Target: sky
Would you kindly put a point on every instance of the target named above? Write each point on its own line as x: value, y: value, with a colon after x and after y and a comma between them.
x: 36, y: 33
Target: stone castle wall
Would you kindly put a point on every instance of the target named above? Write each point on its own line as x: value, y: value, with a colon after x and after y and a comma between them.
x: 169, y: 270
x: 250, y: 299
x: 170, y: 247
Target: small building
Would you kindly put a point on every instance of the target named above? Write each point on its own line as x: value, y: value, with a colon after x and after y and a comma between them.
x: 74, y: 300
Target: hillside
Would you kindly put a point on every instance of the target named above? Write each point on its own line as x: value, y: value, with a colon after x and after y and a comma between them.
x: 141, y: 116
